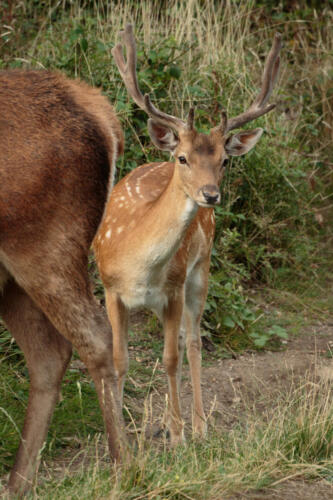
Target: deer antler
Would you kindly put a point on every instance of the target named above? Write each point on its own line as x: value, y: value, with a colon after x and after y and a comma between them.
x: 258, y: 107
x: 128, y: 73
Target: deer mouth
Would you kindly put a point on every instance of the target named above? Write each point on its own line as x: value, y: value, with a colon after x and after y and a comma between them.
x: 207, y: 205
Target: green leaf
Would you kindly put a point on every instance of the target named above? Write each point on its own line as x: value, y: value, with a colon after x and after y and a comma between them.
x: 152, y: 56
x: 228, y: 321
x: 174, y: 71
x: 101, y: 46
x: 84, y: 44
x: 261, y: 341
x: 279, y: 331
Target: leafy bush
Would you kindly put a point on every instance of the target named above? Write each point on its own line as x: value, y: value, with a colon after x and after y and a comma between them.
x: 274, y: 217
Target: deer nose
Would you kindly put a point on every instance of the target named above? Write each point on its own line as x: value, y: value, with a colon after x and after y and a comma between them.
x: 211, y: 194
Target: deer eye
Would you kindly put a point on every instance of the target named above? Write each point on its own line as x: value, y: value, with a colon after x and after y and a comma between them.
x: 225, y: 162
x: 182, y: 160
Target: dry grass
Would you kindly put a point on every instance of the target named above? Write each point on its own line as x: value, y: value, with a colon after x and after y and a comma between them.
x: 220, y: 48
x: 294, y: 439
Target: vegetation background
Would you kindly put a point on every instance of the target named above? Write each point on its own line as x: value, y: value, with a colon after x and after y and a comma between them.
x: 273, y: 243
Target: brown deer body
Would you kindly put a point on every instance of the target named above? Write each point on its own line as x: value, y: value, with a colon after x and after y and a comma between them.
x: 59, y: 140
x: 154, y: 243
x: 157, y: 259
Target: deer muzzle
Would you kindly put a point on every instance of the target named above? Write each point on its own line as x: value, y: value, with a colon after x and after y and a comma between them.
x: 210, y: 195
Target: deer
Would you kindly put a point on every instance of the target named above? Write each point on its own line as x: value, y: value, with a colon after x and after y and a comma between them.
x: 154, y: 243
x: 59, y: 141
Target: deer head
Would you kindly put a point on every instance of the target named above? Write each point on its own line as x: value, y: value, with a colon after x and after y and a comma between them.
x: 200, y: 159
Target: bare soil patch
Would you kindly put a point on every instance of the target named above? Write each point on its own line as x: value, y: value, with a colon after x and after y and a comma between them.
x: 257, y: 380
x: 254, y: 379
x: 231, y: 387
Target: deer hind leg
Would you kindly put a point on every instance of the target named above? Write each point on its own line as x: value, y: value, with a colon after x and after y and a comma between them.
x: 47, y: 354
x: 195, y: 297
x: 80, y: 319
x: 60, y: 286
x: 118, y: 316
x: 172, y: 318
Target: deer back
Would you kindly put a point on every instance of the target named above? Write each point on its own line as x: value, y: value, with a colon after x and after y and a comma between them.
x: 59, y: 140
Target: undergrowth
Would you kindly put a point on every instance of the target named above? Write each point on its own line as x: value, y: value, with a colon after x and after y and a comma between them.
x: 274, y: 221
x: 293, y: 439
x: 274, y: 226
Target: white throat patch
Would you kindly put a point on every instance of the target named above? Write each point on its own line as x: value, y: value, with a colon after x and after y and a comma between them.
x: 190, y: 210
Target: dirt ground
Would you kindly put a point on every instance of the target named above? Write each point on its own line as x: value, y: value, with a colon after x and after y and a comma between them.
x: 251, y: 380
x: 291, y: 490
x: 255, y: 380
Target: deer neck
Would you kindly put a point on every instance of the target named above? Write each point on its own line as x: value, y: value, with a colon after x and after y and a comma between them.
x: 169, y: 218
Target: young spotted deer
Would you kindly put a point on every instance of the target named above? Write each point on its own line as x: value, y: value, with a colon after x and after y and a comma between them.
x: 154, y: 243
x: 59, y: 140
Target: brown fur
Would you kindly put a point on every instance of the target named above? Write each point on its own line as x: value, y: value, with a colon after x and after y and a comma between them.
x: 152, y: 249
x: 58, y: 143
x: 156, y: 253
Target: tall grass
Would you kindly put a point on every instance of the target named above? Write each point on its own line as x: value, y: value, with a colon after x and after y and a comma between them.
x: 294, y: 439
x: 273, y: 227
x: 274, y: 223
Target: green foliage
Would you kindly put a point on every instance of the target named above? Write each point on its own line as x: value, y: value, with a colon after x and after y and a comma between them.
x: 260, y: 339
x: 274, y: 218
x: 227, y: 312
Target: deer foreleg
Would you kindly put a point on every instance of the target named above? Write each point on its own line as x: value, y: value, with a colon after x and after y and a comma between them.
x: 181, y: 350
x: 118, y: 316
x: 171, y: 322
x: 196, y: 293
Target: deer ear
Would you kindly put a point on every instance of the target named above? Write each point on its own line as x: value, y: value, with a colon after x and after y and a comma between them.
x: 241, y: 143
x: 163, y: 137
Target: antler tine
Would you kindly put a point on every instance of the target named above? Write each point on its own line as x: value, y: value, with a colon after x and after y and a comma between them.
x: 190, y: 119
x: 127, y: 71
x: 271, y: 71
x: 258, y: 107
x: 222, y: 126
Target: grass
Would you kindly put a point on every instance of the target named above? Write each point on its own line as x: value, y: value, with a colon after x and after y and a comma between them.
x: 273, y: 226
x: 274, y: 437
x: 274, y: 231
x: 293, y: 439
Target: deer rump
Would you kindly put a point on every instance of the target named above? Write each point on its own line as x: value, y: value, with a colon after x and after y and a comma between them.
x: 59, y: 140
x: 54, y: 158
